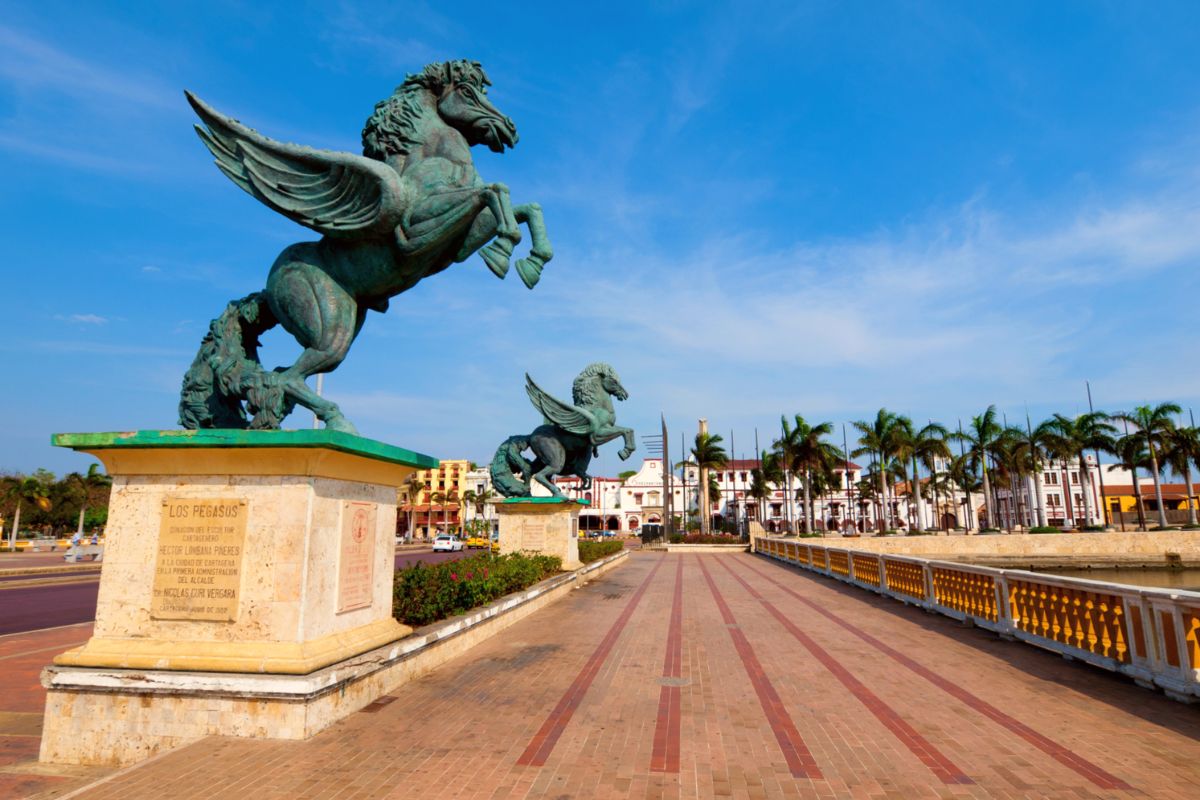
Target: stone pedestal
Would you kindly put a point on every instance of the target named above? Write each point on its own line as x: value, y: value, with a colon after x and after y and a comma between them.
x: 547, y: 525
x: 229, y: 555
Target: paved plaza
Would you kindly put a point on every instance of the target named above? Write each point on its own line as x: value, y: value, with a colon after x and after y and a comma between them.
x: 700, y: 675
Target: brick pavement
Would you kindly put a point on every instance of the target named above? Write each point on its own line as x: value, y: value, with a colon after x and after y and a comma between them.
x: 722, y: 676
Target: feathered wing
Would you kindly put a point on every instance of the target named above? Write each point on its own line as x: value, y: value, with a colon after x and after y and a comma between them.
x: 570, y: 418
x: 336, y: 194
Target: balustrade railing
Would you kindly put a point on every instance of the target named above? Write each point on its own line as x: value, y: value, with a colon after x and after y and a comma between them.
x: 1152, y: 635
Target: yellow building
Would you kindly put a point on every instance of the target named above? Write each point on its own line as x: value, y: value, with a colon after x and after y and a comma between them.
x: 435, y: 508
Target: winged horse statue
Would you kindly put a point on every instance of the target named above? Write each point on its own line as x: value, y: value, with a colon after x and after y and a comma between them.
x: 408, y: 208
x: 571, y: 435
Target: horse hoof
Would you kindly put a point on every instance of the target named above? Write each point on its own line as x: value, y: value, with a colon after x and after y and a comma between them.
x: 341, y: 425
x: 496, y: 257
x: 530, y: 270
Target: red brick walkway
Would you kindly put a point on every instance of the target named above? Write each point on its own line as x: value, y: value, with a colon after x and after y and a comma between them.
x: 722, y: 676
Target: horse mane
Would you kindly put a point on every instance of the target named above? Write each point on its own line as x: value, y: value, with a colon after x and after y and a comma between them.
x: 585, y: 391
x: 392, y: 127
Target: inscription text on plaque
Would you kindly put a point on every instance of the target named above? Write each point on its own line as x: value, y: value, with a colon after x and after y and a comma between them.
x: 198, y: 571
x: 357, y: 558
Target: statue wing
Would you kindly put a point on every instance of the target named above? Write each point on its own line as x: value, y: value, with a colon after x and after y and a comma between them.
x: 570, y: 418
x: 336, y: 194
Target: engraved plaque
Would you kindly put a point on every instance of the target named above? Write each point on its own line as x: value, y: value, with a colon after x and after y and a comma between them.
x: 198, y: 570
x: 357, y: 557
x: 534, y: 535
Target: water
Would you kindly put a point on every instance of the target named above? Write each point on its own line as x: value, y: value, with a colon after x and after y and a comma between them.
x: 1187, y: 579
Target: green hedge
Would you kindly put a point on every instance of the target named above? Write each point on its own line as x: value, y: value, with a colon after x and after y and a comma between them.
x: 590, y: 551
x: 697, y: 538
x: 426, y: 593
x: 1044, y: 529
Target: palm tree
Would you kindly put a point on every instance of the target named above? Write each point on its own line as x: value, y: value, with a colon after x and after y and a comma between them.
x: 28, y: 490
x: 878, y: 438
x: 85, y: 484
x: 803, y: 451
x: 925, y: 446
x: 962, y: 472
x: 436, y: 498
x: 1131, y: 455
x: 709, y: 454
x: 1155, y: 424
x: 1035, y: 445
x: 1183, y: 450
x: 1072, y: 438
x: 414, y: 487
x: 978, y: 438
x: 786, y: 448
x: 452, y: 501
x: 764, y: 479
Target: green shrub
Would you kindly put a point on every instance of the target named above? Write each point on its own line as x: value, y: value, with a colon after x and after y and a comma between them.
x: 1044, y: 529
x: 590, y: 551
x: 918, y: 533
x: 676, y: 538
x: 989, y: 530
x: 1092, y: 528
x: 699, y: 538
x: 1190, y: 527
x: 426, y: 593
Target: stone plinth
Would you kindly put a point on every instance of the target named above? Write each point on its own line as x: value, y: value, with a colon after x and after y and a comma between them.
x: 547, y: 525
x: 246, y: 552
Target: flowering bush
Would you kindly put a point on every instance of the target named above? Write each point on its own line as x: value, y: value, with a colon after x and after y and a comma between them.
x: 426, y: 593
x: 590, y: 551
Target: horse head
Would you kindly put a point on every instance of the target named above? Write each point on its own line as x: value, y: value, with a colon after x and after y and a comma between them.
x: 612, y: 384
x: 457, y: 90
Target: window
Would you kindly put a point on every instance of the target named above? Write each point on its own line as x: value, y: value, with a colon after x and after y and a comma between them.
x: 1075, y: 478
x: 1052, y: 478
x: 637, y: 498
x: 742, y: 477
x: 1052, y: 500
x: 1078, y: 499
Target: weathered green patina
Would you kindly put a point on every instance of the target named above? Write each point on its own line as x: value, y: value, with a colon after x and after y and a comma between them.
x: 544, y: 500
x: 408, y: 208
x: 330, y: 440
x: 571, y: 435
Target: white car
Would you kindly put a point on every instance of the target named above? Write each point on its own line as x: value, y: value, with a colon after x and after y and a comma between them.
x: 447, y: 542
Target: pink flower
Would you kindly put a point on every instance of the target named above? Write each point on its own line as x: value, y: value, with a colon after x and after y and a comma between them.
x: 470, y: 575
x: 453, y: 576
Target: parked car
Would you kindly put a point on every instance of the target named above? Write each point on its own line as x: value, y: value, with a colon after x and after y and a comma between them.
x: 477, y: 542
x: 448, y: 543
x: 495, y: 543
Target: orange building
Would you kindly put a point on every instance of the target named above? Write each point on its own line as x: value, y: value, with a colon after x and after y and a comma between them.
x: 436, y: 507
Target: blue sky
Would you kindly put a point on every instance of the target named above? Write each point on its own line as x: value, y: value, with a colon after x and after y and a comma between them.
x: 757, y: 209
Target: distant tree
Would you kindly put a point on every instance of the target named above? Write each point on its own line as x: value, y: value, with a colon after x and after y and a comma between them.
x: 709, y: 455
x: 979, y: 437
x: 1155, y: 424
x: 878, y: 438
x: 626, y: 474
x: 21, y: 489
x: 1070, y: 439
x: 1182, y: 451
x: 1132, y: 455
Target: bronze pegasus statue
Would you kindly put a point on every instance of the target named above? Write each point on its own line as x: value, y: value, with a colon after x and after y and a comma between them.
x: 410, y: 206
x: 571, y: 435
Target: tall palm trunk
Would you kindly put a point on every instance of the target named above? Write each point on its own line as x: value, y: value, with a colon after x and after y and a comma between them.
x: 12, y: 538
x: 1137, y: 495
x: 705, y: 518
x: 916, y: 484
x: 808, y: 512
x: 1187, y: 477
x: 1158, y: 498
x: 987, y: 496
x: 883, y: 496
x: 1085, y: 483
x: 1041, y: 497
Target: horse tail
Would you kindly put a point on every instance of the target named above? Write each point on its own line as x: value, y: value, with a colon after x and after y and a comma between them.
x: 226, y: 372
x: 508, y: 457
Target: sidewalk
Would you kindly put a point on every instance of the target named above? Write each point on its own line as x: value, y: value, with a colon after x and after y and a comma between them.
x: 22, y: 699
x: 719, y: 676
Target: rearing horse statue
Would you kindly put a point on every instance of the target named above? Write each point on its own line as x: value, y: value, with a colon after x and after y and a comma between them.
x: 571, y: 435
x: 408, y: 208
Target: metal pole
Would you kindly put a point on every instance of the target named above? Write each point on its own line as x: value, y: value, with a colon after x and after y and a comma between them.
x: 851, y: 517
x: 668, y: 497
x: 737, y: 527
x: 962, y: 452
x: 1103, y: 497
